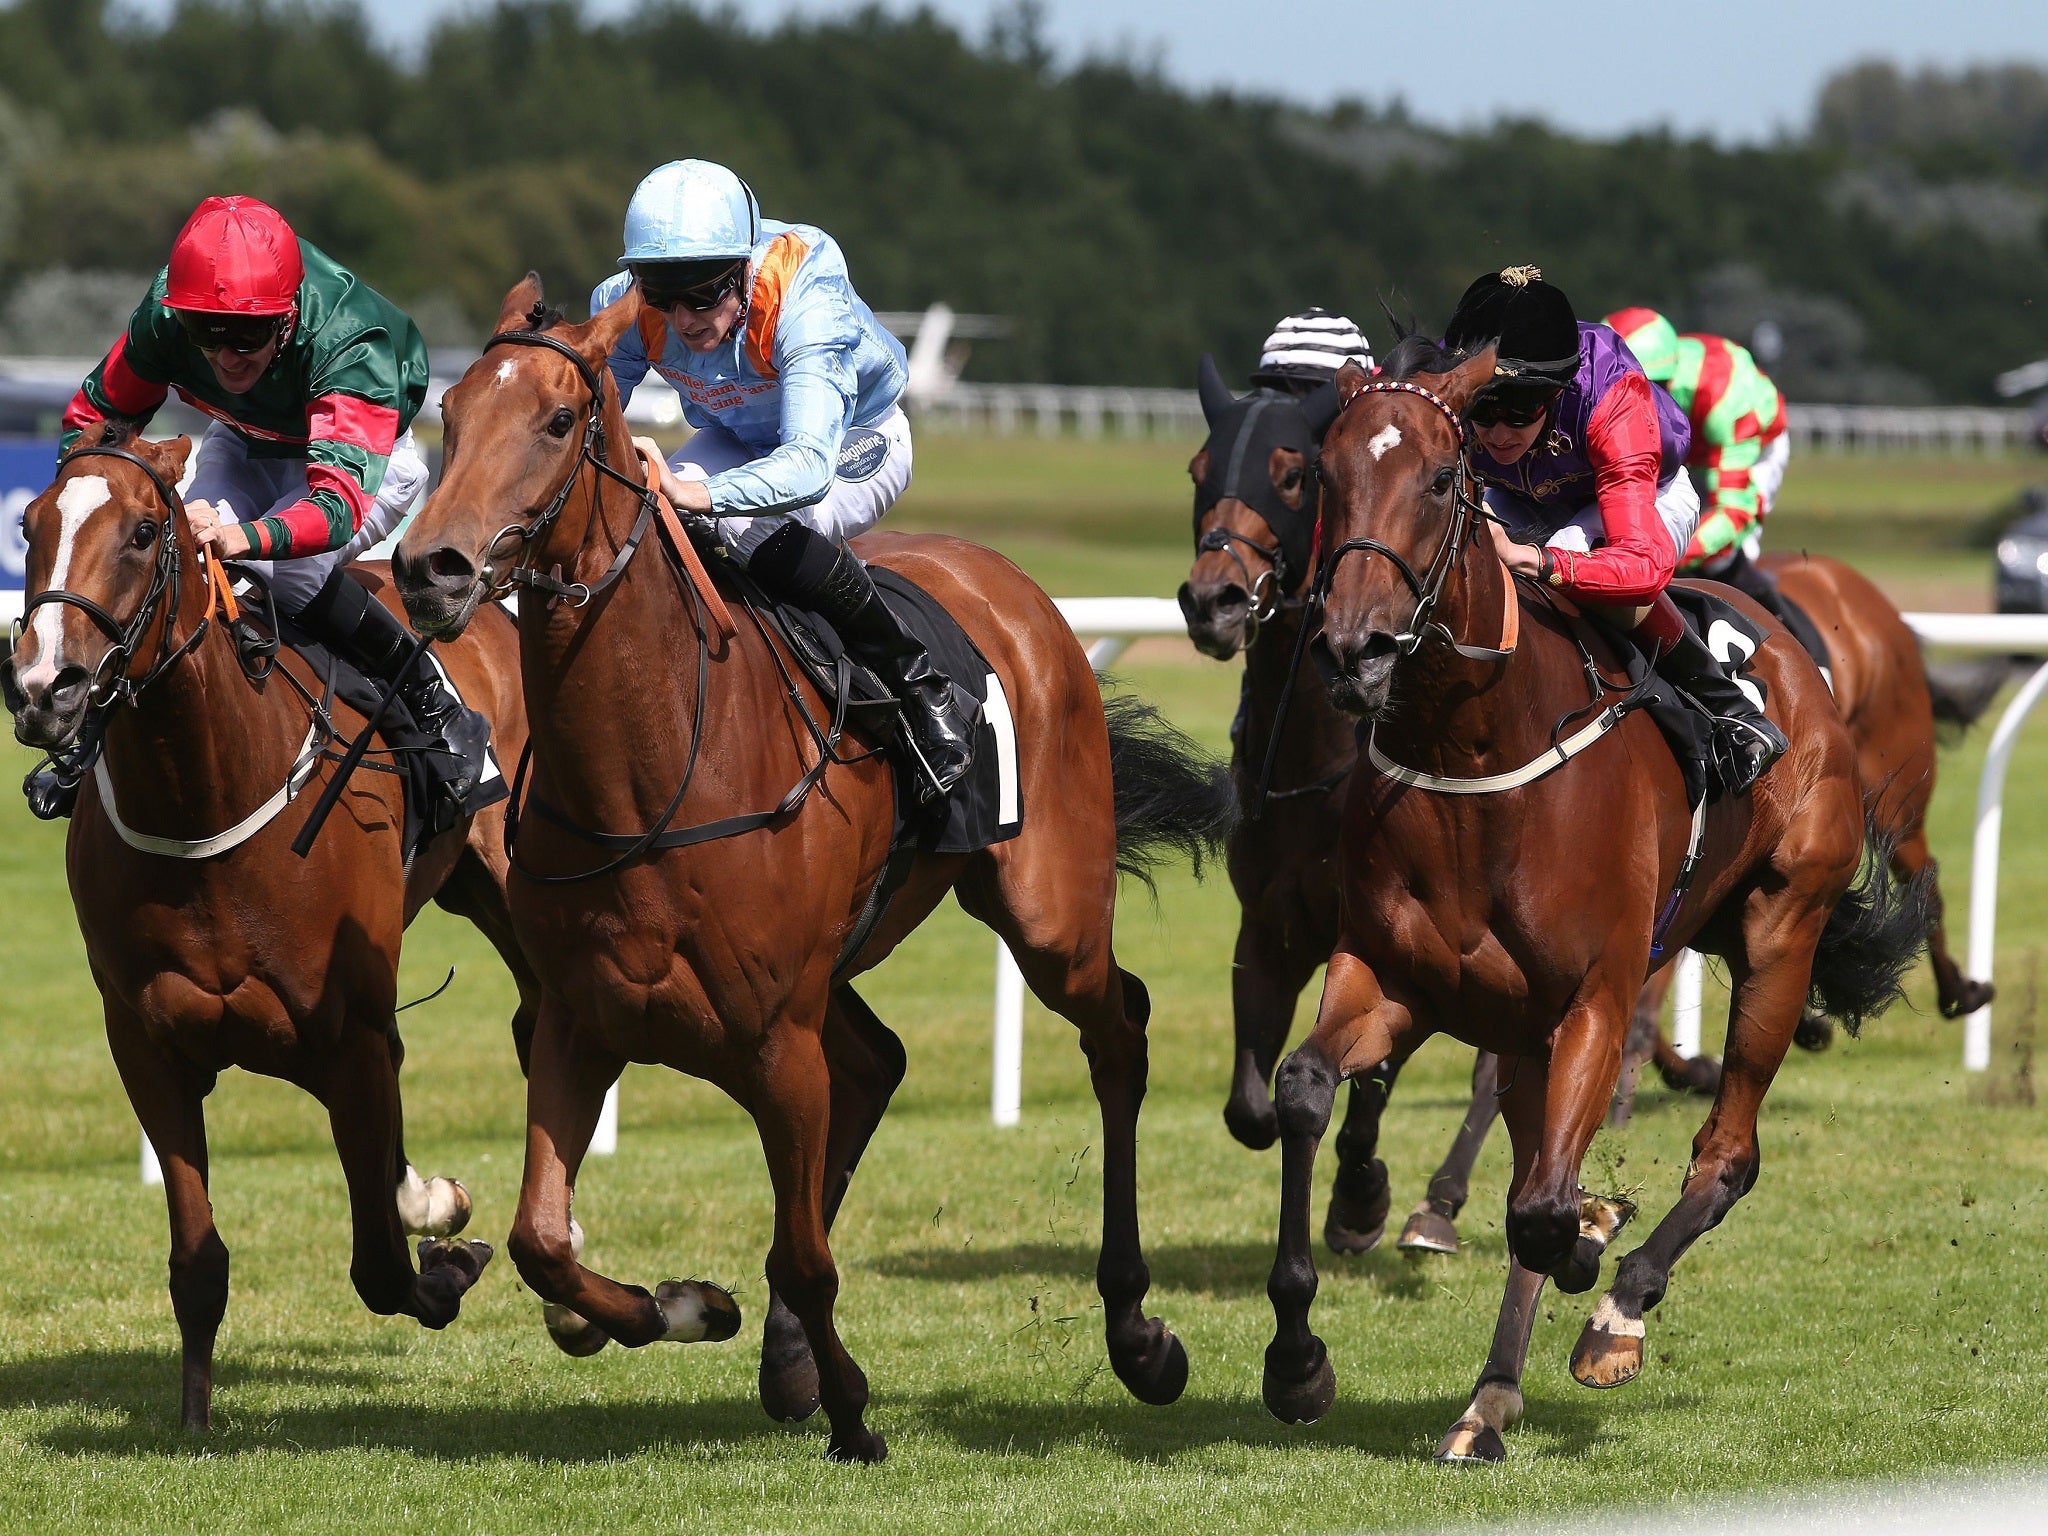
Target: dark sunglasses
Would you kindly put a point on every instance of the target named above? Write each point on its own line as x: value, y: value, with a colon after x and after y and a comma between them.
x: 225, y: 333
x: 665, y: 291
x: 1488, y: 413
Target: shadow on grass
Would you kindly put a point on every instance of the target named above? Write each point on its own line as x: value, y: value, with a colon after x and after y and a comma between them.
x: 1212, y: 1269
x: 129, y: 1399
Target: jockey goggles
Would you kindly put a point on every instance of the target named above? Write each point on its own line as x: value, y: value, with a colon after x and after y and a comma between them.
x: 243, y: 335
x: 1513, y: 402
x: 692, y: 285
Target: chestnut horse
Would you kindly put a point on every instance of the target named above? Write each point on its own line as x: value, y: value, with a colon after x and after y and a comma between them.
x: 1520, y: 919
x: 245, y: 956
x: 723, y: 957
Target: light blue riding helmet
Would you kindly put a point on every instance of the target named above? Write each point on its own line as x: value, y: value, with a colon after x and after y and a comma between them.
x: 691, y: 210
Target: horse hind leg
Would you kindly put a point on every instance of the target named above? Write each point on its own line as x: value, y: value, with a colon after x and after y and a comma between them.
x: 564, y: 1093
x: 169, y: 1101
x: 1958, y: 996
x: 867, y: 1063
x: 1763, y: 1012
x: 1432, y: 1225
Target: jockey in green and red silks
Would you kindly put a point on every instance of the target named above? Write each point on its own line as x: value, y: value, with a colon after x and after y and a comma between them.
x: 1583, y: 459
x: 312, y: 379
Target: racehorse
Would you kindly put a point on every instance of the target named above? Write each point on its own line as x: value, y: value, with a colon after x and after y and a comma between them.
x: 722, y: 956
x: 214, y: 948
x: 1521, y: 919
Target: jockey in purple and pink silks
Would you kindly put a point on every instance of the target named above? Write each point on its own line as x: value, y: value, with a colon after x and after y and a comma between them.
x: 1584, y: 463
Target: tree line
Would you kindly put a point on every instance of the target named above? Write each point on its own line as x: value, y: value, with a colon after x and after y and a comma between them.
x: 1897, y: 250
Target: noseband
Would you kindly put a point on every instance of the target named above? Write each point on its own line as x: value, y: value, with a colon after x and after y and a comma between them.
x: 112, y: 685
x: 1428, y: 588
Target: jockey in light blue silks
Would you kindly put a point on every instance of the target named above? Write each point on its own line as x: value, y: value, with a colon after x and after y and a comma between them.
x: 793, y: 388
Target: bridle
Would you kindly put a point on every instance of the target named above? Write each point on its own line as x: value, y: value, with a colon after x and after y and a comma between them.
x: 593, y: 454
x: 1428, y: 588
x: 113, y: 681
x: 1268, y: 589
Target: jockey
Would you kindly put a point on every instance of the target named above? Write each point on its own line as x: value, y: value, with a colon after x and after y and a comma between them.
x: 1583, y: 460
x: 1739, y: 443
x: 312, y: 380
x: 1306, y: 350
x: 794, y: 389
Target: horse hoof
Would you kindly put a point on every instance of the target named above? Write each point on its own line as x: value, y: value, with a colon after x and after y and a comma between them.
x: 1700, y: 1075
x: 1581, y: 1272
x: 696, y: 1312
x: 862, y: 1445
x: 1341, y: 1239
x: 1158, y: 1374
x: 1814, y: 1033
x: 1428, y: 1231
x: 573, y: 1333
x: 1471, y: 1441
x: 1602, y: 1359
x: 1256, y: 1128
x: 790, y: 1395
x: 466, y: 1256
x: 1969, y: 997
x: 1357, y: 1221
x: 436, y: 1207
x: 1307, y: 1400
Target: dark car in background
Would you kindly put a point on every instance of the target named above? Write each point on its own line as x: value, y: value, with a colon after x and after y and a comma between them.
x: 2020, y: 562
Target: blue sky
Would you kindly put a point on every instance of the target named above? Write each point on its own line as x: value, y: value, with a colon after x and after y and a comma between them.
x: 1739, y: 69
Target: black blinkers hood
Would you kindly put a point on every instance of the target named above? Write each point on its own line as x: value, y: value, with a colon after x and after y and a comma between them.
x: 1243, y: 434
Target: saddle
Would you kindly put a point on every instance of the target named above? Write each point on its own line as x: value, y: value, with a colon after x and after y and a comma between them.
x: 258, y: 634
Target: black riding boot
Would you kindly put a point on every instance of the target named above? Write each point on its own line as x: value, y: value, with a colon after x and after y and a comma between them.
x: 1746, y: 742
x: 343, y: 615
x: 804, y: 566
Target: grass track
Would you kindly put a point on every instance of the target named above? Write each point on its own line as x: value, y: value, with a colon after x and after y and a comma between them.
x: 1873, y: 1307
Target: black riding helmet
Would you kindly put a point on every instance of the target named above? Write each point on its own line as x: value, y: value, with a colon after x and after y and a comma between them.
x: 1531, y: 326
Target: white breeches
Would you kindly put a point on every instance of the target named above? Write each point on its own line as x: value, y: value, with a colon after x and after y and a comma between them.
x: 849, y: 509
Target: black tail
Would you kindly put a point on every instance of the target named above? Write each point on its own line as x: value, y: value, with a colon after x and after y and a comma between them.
x: 1171, y: 796
x: 1962, y: 691
x: 1872, y: 938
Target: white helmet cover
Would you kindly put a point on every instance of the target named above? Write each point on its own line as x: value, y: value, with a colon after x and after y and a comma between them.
x: 1313, y: 344
x: 691, y: 210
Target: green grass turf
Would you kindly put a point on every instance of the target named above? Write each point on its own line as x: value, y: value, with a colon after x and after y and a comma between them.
x: 1873, y: 1306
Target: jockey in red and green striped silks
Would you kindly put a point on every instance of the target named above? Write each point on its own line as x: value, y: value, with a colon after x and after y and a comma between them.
x: 1738, y: 431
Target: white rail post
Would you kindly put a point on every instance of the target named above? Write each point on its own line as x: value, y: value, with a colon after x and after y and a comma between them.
x: 1984, y: 861
x: 1686, y: 984
x: 604, y: 1141
x: 1006, y: 1078
x: 152, y: 1170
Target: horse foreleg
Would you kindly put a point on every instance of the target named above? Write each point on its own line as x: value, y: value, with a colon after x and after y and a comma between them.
x: 565, y: 1091
x: 1763, y: 1013
x: 1360, y: 1196
x: 1357, y: 1027
x: 866, y: 1061
x: 1266, y: 978
x: 1551, y: 1229
x: 360, y: 1091
x: 169, y: 1100
x: 792, y: 1105
x: 1431, y: 1225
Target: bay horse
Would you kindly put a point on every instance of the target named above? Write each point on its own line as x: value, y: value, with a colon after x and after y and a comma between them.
x: 244, y: 956
x: 722, y: 957
x: 1520, y: 919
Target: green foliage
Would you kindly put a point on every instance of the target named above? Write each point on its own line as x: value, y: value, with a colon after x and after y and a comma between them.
x: 1125, y: 224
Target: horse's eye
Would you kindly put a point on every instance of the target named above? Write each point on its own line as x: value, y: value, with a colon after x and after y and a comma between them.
x: 1290, y: 480
x: 144, y: 535
x: 1441, y: 485
x: 560, y: 423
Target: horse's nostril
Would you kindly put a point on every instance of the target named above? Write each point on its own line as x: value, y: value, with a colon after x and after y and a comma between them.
x: 65, y: 688
x: 1377, y: 645
x: 448, y: 564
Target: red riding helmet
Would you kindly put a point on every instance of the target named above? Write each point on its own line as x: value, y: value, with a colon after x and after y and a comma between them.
x: 235, y: 256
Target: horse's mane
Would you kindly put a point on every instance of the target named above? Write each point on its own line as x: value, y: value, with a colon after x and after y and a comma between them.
x: 543, y: 316
x: 1416, y: 352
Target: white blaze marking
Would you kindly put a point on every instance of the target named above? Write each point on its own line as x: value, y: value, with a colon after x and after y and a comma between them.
x: 1387, y: 437
x: 78, y: 501
x: 505, y: 371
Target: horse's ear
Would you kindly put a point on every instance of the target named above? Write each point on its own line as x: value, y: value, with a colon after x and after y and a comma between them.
x: 1216, y: 395
x: 520, y: 303
x: 1319, y: 406
x: 597, y: 336
x: 167, y: 458
x: 1467, y: 379
x: 1349, y: 381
